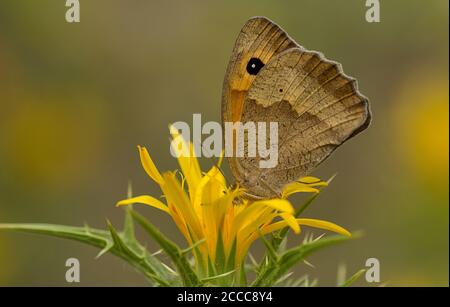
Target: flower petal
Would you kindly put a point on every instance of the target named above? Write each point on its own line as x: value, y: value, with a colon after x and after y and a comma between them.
x: 298, y: 187
x: 311, y: 180
x: 149, y: 166
x: 177, y: 196
x: 282, y: 205
x: 146, y: 200
x: 324, y: 225
x: 290, y: 221
x: 308, y: 222
x: 187, y: 160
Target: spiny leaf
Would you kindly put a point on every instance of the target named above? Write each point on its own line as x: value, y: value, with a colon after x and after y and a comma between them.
x: 220, y: 276
x: 232, y: 256
x: 294, y: 255
x: 104, y: 240
x: 172, y: 250
x: 128, y: 227
x: 133, y: 251
x: 281, y: 235
x: 193, y: 246
x: 283, y: 278
x: 211, y: 269
x: 220, y: 254
x: 353, y: 278
x: 291, y: 257
x: 242, y: 276
x: 198, y: 256
x: 271, y: 253
x: 230, y: 264
x: 118, y: 242
x: 93, y: 237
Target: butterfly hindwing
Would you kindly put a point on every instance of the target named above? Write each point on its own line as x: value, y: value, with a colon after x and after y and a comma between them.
x: 317, y: 108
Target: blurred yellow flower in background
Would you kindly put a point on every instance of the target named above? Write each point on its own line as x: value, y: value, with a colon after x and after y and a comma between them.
x: 422, y: 121
x: 214, y: 218
x: 45, y: 133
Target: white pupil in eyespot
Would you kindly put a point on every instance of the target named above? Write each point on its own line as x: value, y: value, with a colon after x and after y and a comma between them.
x: 253, y: 65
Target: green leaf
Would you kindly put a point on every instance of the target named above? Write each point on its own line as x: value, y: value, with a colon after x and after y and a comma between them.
x: 353, y: 278
x: 119, y: 243
x: 211, y: 269
x: 279, y: 237
x: 198, y: 256
x: 294, y: 255
x: 263, y: 273
x: 242, y: 276
x: 230, y: 264
x: 138, y: 255
x: 93, y: 237
x: 270, y: 251
x: 231, y: 259
x: 220, y: 254
x: 128, y: 226
x: 129, y: 239
x: 220, y: 276
x: 171, y: 249
x: 111, y: 241
x: 193, y: 246
x: 271, y: 273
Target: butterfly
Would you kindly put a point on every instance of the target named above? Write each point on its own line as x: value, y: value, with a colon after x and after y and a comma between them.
x: 271, y: 78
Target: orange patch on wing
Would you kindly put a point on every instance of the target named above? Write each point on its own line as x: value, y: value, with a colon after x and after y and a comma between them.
x: 237, y: 104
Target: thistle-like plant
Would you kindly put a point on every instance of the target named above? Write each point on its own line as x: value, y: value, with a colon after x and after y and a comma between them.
x: 219, y: 225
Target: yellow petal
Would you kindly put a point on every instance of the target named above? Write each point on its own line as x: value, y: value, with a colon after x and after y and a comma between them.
x: 253, y: 228
x: 298, y: 187
x: 273, y: 227
x: 246, y: 215
x: 307, y: 222
x: 324, y: 225
x: 251, y: 212
x: 177, y: 196
x: 149, y: 166
x: 187, y: 160
x: 215, y: 187
x: 146, y: 200
x: 291, y: 222
x: 207, y: 194
x: 179, y: 221
x: 278, y: 204
x: 311, y: 180
x: 211, y: 187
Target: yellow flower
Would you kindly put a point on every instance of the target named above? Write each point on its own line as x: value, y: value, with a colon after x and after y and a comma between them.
x: 215, y: 218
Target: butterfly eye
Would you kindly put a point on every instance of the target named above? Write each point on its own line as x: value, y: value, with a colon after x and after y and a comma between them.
x: 254, y: 66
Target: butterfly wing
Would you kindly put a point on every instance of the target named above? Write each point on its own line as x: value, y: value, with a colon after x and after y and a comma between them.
x: 259, y: 40
x: 317, y: 108
x: 270, y: 78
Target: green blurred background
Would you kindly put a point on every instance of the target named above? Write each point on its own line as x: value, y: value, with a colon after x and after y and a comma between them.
x: 76, y: 99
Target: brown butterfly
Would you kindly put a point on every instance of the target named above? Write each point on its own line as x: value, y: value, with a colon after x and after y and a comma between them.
x: 270, y: 78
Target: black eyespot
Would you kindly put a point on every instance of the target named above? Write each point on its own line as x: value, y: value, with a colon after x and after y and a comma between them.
x: 281, y: 90
x: 254, y: 66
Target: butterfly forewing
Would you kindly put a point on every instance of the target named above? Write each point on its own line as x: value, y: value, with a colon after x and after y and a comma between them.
x: 258, y: 41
